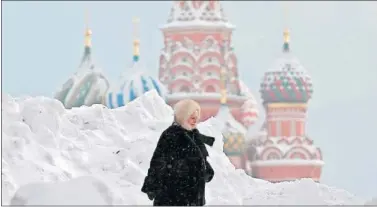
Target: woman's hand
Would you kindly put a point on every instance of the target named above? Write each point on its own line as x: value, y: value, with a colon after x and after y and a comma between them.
x: 151, y: 195
x: 209, y: 172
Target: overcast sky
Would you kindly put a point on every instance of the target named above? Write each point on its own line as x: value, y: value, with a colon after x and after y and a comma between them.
x: 335, y: 41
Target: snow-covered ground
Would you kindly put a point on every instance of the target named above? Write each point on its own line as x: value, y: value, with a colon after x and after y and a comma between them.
x: 372, y: 202
x: 94, y: 155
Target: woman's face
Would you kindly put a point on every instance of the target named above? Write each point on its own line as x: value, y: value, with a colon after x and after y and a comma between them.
x: 193, y: 119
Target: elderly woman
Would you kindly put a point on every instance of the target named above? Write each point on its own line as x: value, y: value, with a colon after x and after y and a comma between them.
x: 179, y: 169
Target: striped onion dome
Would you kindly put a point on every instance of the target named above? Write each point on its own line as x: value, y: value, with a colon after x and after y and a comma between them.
x: 88, y: 85
x: 132, y: 88
x: 134, y: 85
x: 249, y: 111
x: 287, y: 81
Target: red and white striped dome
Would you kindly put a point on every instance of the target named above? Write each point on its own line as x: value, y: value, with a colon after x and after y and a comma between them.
x: 249, y: 111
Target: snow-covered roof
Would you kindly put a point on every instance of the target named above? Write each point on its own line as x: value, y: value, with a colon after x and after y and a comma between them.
x: 189, y: 14
x: 287, y: 80
x: 87, y: 86
x: 288, y: 62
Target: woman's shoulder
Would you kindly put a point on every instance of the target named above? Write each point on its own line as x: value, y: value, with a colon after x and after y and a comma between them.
x: 172, y: 138
x: 172, y: 132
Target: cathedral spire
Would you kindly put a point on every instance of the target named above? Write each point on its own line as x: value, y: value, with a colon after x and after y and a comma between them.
x: 88, y: 38
x: 88, y: 31
x: 136, y: 42
x: 286, y: 40
x: 86, y: 59
x: 286, y: 32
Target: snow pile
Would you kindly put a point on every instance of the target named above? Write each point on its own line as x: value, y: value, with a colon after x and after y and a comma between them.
x: 94, y: 155
x: 372, y: 202
x: 95, y: 193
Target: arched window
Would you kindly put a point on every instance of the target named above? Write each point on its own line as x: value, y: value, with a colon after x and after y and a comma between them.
x: 210, y: 89
x: 184, y: 89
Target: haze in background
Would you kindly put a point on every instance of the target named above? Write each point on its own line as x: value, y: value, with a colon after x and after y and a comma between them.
x: 335, y: 41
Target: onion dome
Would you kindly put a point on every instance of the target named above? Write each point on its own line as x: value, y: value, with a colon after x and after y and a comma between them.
x: 288, y: 81
x: 88, y: 85
x: 249, y: 111
x: 135, y: 85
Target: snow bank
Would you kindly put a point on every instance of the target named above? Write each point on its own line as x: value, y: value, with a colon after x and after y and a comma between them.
x: 94, y: 155
x: 372, y: 202
x: 79, y: 191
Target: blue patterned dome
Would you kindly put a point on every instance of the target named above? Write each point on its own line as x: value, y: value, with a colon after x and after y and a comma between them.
x: 132, y: 88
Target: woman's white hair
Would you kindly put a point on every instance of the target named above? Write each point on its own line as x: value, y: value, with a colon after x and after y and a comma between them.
x: 183, y: 110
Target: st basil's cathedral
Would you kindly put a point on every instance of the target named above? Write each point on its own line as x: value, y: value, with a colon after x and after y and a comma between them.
x: 198, y: 61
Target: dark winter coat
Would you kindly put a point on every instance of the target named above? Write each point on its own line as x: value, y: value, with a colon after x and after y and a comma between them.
x: 179, y: 169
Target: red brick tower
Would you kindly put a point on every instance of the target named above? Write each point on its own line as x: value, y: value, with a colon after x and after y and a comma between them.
x: 190, y: 61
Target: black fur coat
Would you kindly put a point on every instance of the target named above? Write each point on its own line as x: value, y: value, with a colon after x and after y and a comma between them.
x: 179, y: 169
